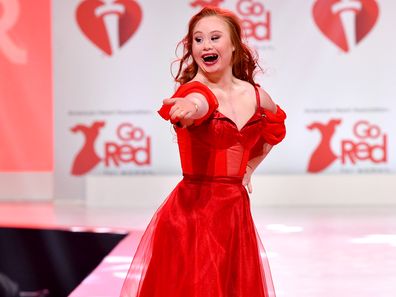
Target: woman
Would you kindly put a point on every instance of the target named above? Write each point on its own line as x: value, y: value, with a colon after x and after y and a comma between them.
x: 202, y: 241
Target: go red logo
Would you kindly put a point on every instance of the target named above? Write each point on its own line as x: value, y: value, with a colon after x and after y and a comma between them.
x: 109, y: 24
x: 345, y: 22
x: 132, y: 146
x: 369, y: 144
x: 255, y: 18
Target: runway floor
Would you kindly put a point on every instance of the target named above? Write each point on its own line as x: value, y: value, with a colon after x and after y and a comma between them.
x: 313, y: 252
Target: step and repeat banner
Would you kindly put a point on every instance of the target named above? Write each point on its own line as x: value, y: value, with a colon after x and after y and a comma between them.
x: 329, y: 63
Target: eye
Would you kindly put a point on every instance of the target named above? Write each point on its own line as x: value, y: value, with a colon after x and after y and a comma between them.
x: 198, y: 39
x: 215, y: 37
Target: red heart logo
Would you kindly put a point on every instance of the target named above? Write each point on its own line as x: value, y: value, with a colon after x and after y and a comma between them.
x: 98, y: 19
x: 203, y: 3
x: 345, y: 22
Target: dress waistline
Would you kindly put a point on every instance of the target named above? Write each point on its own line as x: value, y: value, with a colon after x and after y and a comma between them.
x: 206, y: 178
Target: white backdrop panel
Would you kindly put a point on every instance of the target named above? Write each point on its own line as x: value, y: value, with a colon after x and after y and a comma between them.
x: 313, y: 79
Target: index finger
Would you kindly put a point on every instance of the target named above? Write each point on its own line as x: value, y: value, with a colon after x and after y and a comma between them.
x: 169, y: 101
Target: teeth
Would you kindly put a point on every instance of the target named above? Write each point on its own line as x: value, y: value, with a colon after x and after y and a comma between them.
x: 210, y: 57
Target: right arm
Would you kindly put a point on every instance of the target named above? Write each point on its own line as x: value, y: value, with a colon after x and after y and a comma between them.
x: 187, y: 109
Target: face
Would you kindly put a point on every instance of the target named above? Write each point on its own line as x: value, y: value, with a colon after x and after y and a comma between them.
x: 212, y: 47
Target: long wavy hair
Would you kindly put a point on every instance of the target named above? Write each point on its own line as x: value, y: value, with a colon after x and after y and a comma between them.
x: 244, y: 61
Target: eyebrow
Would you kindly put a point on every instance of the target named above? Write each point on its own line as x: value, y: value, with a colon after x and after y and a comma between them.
x: 214, y: 31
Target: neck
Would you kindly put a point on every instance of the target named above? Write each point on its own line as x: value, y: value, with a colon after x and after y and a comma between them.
x: 223, y: 80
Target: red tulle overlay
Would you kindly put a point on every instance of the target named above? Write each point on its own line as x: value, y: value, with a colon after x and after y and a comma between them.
x: 201, y: 242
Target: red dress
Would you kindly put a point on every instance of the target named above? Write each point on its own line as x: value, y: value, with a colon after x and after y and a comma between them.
x: 202, y: 241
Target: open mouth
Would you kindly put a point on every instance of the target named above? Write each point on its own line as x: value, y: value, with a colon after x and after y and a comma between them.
x: 210, y: 58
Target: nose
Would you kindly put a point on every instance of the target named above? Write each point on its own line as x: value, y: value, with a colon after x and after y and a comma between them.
x: 207, y: 44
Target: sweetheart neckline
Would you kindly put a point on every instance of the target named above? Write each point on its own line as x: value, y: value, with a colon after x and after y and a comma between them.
x: 227, y: 117
x: 236, y: 126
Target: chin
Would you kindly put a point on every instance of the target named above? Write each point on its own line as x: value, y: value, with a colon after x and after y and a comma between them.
x: 212, y: 69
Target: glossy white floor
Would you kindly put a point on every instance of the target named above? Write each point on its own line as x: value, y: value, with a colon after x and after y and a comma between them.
x: 313, y: 252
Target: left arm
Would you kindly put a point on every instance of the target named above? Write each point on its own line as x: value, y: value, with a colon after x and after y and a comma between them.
x: 253, y: 164
x: 267, y: 103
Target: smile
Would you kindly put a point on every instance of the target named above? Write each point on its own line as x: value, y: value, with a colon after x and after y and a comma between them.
x: 210, y: 58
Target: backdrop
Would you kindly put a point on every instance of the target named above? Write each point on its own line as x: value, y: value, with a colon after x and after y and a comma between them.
x: 329, y: 63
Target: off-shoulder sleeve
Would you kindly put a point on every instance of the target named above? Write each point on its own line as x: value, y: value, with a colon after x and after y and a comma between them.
x: 274, y: 129
x: 186, y: 89
x: 272, y: 133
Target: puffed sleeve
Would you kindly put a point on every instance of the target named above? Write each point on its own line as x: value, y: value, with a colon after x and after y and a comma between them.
x: 183, y: 91
x: 273, y: 131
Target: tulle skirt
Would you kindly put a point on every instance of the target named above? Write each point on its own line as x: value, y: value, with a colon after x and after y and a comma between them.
x: 201, y: 242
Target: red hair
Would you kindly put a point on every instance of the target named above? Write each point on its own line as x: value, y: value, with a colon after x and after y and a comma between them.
x: 244, y: 62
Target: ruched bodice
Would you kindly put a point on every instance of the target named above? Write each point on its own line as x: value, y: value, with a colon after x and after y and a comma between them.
x: 215, y: 147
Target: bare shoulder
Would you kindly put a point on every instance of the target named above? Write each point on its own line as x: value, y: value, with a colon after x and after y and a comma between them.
x: 243, y: 86
x: 266, y: 101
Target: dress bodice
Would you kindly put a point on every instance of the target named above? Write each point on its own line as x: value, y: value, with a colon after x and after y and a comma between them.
x: 215, y: 147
